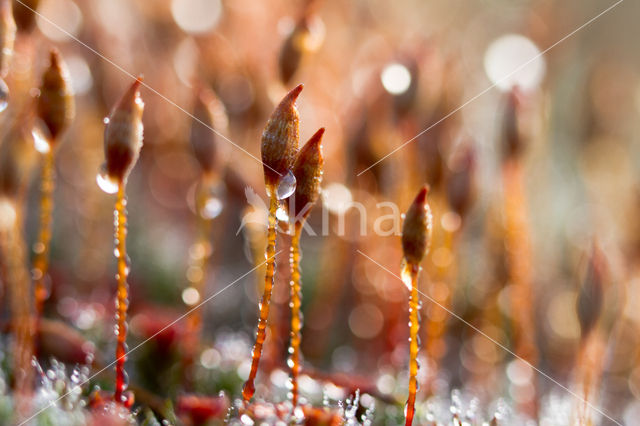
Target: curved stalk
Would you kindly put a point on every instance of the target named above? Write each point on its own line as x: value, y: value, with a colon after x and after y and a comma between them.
x: 410, y: 276
x: 249, y: 387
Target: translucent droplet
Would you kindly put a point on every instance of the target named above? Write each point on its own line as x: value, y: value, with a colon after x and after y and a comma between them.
x: 287, y: 186
x: 212, y: 208
x: 40, y: 142
x: 4, y: 95
x: 105, y: 182
x: 105, y: 120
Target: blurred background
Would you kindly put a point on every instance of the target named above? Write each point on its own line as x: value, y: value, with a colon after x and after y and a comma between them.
x: 533, y: 173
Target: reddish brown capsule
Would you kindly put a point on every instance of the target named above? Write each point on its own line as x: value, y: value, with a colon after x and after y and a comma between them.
x: 24, y: 14
x: 280, y: 139
x: 416, y: 230
x: 7, y: 36
x: 203, y: 139
x: 55, y: 103
x: 591, y: 296
x: 123, y: 134
x: 308, y: 172
x: 460, y: 180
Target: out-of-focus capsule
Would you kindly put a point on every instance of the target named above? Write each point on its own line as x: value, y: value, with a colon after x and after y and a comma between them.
x: 591, y: 296
x: 123, y: 134
x: 56, y: 106
x: 417, y: 228
x: 203, y: 140
x: 24, y: 14
x: 306, y: 37
x: 460, y: 182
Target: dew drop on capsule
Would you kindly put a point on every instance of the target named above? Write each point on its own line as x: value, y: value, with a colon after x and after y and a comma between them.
x: 105, y: 182
x: 287, y: 186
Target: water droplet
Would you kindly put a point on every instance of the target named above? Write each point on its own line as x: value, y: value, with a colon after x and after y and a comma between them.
x: 40, y: 142
x: 105, y: 182
x: 212, y: 207
x: 287, y: 186
x: 105, y: 120
x: 4, y: 95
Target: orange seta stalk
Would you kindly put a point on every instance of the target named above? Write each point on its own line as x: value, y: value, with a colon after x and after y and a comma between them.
x: 122, y: 299
x: 296, y: 314
x: 249, y: 387
x: 199, y: 262
x: 410, y: 274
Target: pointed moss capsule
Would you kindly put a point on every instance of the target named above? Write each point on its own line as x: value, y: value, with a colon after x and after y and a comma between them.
x: 308, y: 172
x: 416, y: 230
x: 56, y: 106
x: 280, y: 139
x: 591, y: 296
x: 123, y: 134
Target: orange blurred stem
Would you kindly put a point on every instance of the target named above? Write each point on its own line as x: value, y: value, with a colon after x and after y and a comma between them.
x: 41, y: 248
x: 249, y: 387
x: 296, y: 314
x: 410, y: 275
x: 16, y: 275
x: 199, y: 262
x: 122, y: 299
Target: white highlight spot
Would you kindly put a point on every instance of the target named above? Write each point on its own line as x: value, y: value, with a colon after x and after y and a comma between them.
x: 190, y: 296
x: 196, y: 16
x: 505, y: 59
x: 66, y: 15
x: 395, y: 78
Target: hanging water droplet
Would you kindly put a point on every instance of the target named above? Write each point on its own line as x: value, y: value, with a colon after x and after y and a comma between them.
x: 40, y: 142
x: 287, y: 186
x: 105, y: 182
x: 212, y: 207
